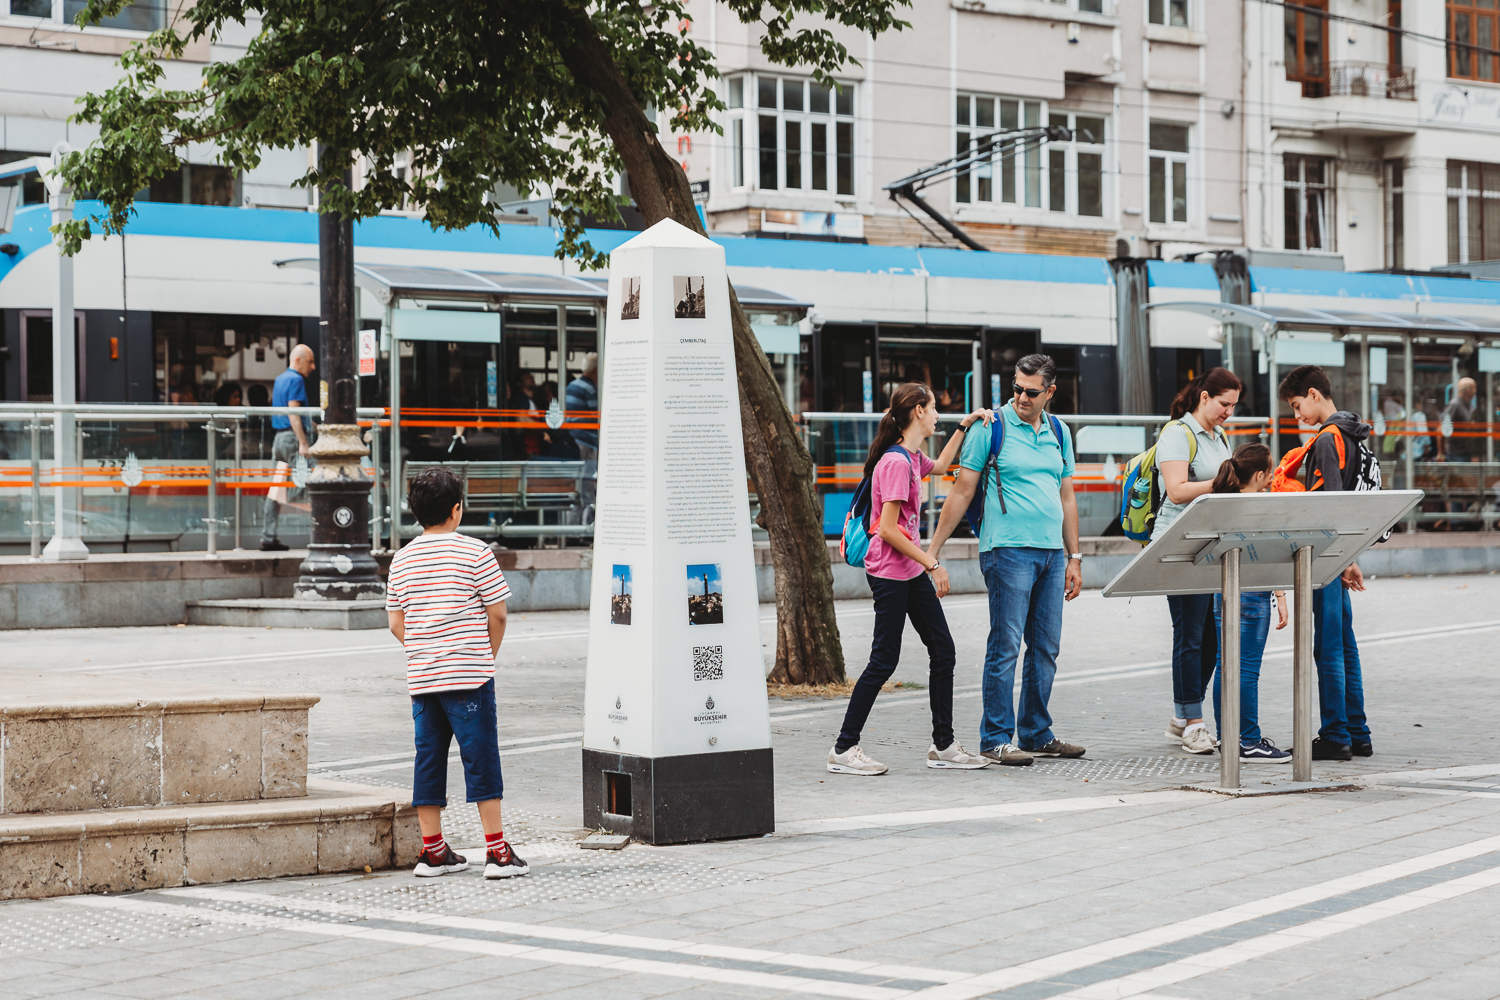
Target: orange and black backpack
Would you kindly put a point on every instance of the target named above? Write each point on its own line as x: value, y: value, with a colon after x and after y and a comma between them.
x: 1285, y: 480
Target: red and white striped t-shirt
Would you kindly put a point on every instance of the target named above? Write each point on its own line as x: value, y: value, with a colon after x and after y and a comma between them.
x: 444, y: 583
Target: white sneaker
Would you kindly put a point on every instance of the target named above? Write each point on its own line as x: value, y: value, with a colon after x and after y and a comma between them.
x: 1174, y: 730
x: 955, y: 756
x: 1196, y: 739
x: 853, y: 761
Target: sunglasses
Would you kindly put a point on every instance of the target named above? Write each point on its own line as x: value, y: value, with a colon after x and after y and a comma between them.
x: 1030, y: 393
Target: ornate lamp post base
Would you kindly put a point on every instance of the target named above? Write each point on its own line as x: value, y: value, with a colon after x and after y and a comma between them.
x: 339, y: 566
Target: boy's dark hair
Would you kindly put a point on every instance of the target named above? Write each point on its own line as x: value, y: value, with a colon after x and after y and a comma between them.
x: 432, y: 494
x: 1039, y: 364
x: 1303, y: 378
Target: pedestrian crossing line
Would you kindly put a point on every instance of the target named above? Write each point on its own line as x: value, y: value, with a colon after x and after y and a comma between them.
x: 839, y: 978
x: 407, y: 754
x: 1107, y: 951
x: 453, y: 758
x: 1003, y: 810
x: 1138, y: 983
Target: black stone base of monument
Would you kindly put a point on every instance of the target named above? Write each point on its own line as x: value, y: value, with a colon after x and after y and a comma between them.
x: 339, y: 566
x: 679, y: 800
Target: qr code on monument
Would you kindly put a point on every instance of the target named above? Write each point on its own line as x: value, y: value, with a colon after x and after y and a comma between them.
x: 708, y: 663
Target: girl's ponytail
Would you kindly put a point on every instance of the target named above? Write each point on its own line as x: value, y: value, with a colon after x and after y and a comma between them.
x: 1235, y: 472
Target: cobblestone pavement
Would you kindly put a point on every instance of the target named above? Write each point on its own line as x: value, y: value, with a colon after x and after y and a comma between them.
x: 1093, y: 879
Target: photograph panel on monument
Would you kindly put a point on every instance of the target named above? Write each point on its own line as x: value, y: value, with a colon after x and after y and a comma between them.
x: 687, y: 293
x: 705, y: 590
x: 630, y: 299
x: 621, y: 594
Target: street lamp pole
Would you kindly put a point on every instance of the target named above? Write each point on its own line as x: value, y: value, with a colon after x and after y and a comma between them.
x: 67, y: 517
x: 339, y: 565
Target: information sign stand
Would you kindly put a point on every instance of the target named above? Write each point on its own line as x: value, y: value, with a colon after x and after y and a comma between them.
x: 1232, y: 543
x: 676, y: 729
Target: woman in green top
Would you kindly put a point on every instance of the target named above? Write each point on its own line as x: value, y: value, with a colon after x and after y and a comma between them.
x: 1188, y: 457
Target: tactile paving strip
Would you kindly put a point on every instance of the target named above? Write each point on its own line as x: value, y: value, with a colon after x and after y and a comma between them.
x: 59, y: 930
x: 1117, y: 768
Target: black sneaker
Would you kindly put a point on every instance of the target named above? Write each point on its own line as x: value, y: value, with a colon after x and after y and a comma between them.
x: 1324, y: 750
x: 274, y: 546
x: 1365, y: 749
x: 1057, y: 748
x: 1264, y: 752
x: 504, y: 863
x: 430, y: 864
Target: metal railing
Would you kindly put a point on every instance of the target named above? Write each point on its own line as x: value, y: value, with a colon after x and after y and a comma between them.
x: 1371, y: 79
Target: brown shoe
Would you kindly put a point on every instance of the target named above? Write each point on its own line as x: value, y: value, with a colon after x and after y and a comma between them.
x: 1057, y: 748
x: 1007, y: 755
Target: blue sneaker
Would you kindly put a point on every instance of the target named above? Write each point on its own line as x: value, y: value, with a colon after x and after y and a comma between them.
x: 1264, y: 752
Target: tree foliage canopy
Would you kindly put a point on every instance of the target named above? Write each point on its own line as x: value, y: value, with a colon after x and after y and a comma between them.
x: 465, y: 94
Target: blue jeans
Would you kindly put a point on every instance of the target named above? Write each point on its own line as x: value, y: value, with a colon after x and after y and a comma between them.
x: 895, y: 602
x: 470, y: 716
x: 1026, y: 602
x: 1195, y: 651
x: 1341, y: 691
x: 1255, y: 625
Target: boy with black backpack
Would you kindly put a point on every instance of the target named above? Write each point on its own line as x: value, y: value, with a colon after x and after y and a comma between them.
x: 1338, y: 459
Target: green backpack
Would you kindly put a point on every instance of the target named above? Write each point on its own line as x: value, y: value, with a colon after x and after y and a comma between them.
x: 1141, y: 496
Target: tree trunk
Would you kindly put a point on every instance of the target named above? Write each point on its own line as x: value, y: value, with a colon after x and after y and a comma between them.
x: 808, y: 650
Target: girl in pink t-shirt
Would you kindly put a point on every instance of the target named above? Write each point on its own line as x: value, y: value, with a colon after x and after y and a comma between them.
x: 905, y: 580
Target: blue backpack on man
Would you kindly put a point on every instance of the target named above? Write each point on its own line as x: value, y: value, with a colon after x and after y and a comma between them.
x: 975, y: 513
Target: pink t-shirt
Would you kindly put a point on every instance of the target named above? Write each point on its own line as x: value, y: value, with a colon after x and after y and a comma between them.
x: 896, y: 479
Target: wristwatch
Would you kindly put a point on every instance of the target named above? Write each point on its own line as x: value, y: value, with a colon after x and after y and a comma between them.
x: 1076, y: 555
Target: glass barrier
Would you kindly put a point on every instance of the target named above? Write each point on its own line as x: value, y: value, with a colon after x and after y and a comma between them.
x: 148, y: 479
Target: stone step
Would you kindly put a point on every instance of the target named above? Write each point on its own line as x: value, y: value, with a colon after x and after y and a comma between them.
x: 89, y: 742
x: 288, y: 612
x: 337, y: 826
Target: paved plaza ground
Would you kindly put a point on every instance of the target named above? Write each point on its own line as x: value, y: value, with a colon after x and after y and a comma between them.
x: 1089, y: 879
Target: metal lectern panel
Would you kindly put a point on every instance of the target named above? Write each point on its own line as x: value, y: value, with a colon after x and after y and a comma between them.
x: 1167, y: 565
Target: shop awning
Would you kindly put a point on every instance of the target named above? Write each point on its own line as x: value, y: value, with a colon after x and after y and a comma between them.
x: 1270, y: 319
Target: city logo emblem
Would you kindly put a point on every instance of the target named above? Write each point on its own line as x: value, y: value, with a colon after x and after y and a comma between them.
x: 709, y: 704
x: 343, y: 517
x: 617, y: 704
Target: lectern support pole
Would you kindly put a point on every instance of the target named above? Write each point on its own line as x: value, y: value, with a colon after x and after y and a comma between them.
x: 1302, y: 667
x: 1229, y: 674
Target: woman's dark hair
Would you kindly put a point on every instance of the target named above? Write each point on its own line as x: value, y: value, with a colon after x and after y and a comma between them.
x: 907, y: 397
x: 226, y: 391
x: 432, y: 494
x: 1235, y: 472
x: 1215, y: 382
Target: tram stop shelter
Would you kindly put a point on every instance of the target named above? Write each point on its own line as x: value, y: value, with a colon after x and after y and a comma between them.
x: 441, y: 364
x: 1286, y: 336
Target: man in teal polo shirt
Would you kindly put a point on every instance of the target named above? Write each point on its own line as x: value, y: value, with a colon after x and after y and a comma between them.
x: 1028, y: 552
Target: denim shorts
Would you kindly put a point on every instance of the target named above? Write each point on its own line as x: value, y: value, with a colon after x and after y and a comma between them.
x: 469, y: 716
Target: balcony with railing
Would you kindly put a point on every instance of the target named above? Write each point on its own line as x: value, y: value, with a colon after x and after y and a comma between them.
x: 1368, y: 79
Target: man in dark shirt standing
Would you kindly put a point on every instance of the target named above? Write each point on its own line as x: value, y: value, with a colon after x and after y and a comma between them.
x: 293, y: 437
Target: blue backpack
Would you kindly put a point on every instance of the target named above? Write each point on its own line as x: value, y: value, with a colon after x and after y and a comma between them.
x: 856, y: 540
x: 975, y: 513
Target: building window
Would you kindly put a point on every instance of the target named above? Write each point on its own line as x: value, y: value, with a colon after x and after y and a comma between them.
x: 803, y: 133
x: 1393, y: 38
x: 1308, y: 191
x: 149, y: 15
x: 1168, y: 172
x: 1169, y: 12
x: 1395, y: 213
x: 1473, y: 211
x: 1307, y: 46
x: 1058, y: 176
x: 1472, y: 33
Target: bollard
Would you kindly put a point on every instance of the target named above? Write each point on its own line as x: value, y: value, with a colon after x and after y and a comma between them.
x: 1229, y: 674
x: 1302, y: 667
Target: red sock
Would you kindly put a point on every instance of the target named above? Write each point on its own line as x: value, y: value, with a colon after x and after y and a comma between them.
x: 494, y: 841
x: 434, y: 845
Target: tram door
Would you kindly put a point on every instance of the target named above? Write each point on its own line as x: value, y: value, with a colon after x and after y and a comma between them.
x: 842, y: 354
x: 1002, y: 349
x: 36, y: 357
x: 940, y: 358
x: 443, y: 383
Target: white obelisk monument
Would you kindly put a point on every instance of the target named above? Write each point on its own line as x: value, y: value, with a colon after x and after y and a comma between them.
x: 676, y: 734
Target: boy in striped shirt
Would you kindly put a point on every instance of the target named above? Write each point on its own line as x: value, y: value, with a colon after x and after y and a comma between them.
x: 446, y: 600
